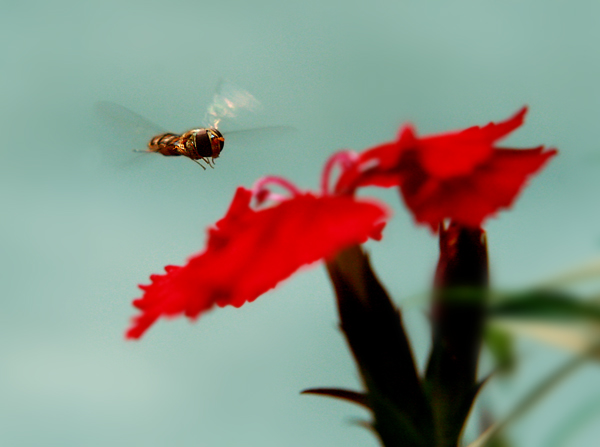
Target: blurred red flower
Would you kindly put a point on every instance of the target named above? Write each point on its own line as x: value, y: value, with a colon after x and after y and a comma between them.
x: 249, y: 251
x: 458, y: 175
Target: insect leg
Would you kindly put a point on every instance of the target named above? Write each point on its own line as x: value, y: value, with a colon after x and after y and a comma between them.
x: 197, y: 162
x: 209, y: 161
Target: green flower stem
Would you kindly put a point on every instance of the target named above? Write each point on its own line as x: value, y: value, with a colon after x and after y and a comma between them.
x: 458, y: 314
x: 373, y: 328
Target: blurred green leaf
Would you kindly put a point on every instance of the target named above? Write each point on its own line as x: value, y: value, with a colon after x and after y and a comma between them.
x: 574, y: 337
x: 535, y: 396
x: 501, y: 346
x: 545, y: 304
x: 485, y: 422
x: 498, y: 442
x: 554, y: 317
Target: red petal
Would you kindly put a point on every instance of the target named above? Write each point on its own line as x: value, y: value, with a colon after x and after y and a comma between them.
x: 470, y: 199
x: 249, y: 252
x: 375, y: 167
x: 458, y: 153
x: 452, y: 156
x: 494, y: 132
x: 457, y: 175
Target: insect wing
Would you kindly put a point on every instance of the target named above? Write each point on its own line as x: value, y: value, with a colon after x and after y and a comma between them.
x: 267, y: 133
x: 228, y: 101
x: 133, y: 130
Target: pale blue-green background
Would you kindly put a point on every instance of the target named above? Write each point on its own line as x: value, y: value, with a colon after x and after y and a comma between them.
x: 79, y: 230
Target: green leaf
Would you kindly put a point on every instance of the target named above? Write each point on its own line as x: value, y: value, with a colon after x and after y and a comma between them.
x: 574, y: 337
x: 535, y: 396
x: 501, y: 346
x: 545, y: 304
x: 338, y: 393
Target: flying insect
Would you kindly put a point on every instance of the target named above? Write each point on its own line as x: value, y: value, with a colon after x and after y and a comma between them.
x: 201, y: 145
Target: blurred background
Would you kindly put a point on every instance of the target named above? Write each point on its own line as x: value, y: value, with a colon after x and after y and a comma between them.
x: 83, y: 222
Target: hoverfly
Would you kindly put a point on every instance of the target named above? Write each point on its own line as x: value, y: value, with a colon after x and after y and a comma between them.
x: 202, y: 144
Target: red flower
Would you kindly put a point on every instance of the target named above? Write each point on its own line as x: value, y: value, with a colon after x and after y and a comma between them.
x: 458, y: 175
x: 249, y: 251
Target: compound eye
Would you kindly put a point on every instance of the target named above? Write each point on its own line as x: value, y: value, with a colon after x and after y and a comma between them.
x: 218, y: 142
x: 203, y: 144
